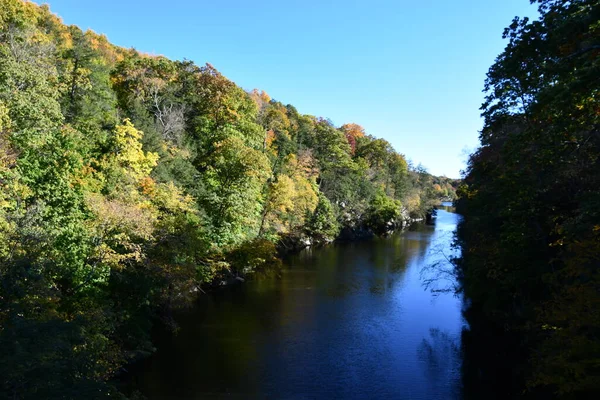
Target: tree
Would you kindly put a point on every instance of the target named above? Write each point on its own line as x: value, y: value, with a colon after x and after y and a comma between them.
x: 382, y: 211
x: 234, y: 177
x: 130, y: 182
x: 322, y: 224
x: 353, y: 132
x: 530, y: 247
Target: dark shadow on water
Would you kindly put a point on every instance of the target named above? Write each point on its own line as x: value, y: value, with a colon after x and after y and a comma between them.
x: 441, y: 354
x: 350, y: 320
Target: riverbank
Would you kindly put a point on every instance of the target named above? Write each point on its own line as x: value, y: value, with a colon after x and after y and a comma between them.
x: 292, y: 244
x: 347, y: 320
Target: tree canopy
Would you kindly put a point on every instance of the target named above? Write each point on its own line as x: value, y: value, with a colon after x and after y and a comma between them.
x: 129, y: 181
x: 530, y: 237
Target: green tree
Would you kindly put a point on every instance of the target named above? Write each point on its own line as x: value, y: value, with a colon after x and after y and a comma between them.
x: 234, y: 178
x: 530, y: 248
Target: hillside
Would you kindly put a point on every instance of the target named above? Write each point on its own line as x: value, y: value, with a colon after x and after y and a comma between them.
x: 129, y: 181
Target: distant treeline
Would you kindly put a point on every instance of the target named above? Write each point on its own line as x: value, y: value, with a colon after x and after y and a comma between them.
x: 531, y: 203
x: 128, y: 181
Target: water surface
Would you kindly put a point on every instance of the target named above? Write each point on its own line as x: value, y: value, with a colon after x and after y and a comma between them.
x: 350, y: 321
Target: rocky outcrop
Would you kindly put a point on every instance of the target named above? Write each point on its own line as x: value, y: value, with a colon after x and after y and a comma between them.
x: 354, y: 227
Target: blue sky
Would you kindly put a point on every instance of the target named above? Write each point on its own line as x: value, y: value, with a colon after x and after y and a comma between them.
x: 408, y: 71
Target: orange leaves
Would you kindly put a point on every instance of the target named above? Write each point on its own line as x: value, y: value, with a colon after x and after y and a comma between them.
x: 261, y: 98
x: 304, y: 164
x: 147, y: 185
x: 270, y: 138
x: 353, y: 132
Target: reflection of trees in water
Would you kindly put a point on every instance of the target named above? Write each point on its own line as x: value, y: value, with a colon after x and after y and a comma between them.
x: 493, y: 361
x: 424, y: 245
x: 342, y: 289
x: 393, y: 256
x: 441, y: 354
x: 439, y: 274
x: 411, y: 247
x: 450, y: 209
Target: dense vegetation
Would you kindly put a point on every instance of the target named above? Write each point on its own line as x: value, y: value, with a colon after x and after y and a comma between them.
x: 128, y: 181
x: 531, y: 233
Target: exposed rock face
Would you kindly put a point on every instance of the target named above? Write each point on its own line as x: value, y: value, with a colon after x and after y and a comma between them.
x: 354, y: 227
x: 299, y: 242
x: 355, y: 233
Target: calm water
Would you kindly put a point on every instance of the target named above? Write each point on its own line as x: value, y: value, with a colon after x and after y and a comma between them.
x: 348, y: 321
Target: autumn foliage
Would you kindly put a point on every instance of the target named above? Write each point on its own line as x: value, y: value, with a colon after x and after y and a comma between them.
x: 129, y: 183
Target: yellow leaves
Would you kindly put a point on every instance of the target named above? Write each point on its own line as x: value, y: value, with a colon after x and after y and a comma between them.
x: 283, y: 192
x: 302, y: 165
x: 17, y: 12
x: 8, y: 187
x: 291, y: 198
x: 66, y: 39
x: 276, y: 119
x: 293, y: 195
x: 465, y: 191
x: 136, y: 210
x: 128, y: 165
x: 115, y: 260
x: 94, y: 40
x: 306, y: 199
x: 89, y: 179
x: 114, y: 214
x: 412, y: 201
x: 303, y: 172
x: 126, y: 132
x: 6, y: 230
x: 170, y: 198
x: 7, y: 155
x: 118, y: 228
x: 130, y: 155
x: 5, y: 122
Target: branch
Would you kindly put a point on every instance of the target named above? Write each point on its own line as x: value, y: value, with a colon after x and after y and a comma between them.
x: 587, y: 49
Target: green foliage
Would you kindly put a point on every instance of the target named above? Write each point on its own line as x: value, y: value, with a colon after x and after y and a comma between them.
x: 530, y: 199
x: 322, y: 224
x: 127, y: 181
x: 234, y: 179
x: 382, y: 211
x: 254, y: 255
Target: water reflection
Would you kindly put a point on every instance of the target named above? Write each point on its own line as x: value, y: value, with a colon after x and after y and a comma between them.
x: 447, y: 206
x: 349, y: 320
x: 441, y: 353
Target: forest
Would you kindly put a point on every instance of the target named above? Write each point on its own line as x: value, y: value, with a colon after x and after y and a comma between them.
x: 531, y: 231
x: 131, y: 183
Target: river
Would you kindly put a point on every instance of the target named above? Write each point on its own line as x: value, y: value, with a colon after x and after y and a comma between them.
x: 347, y: 321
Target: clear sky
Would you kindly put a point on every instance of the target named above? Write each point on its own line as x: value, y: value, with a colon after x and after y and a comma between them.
x: 408, y: 71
